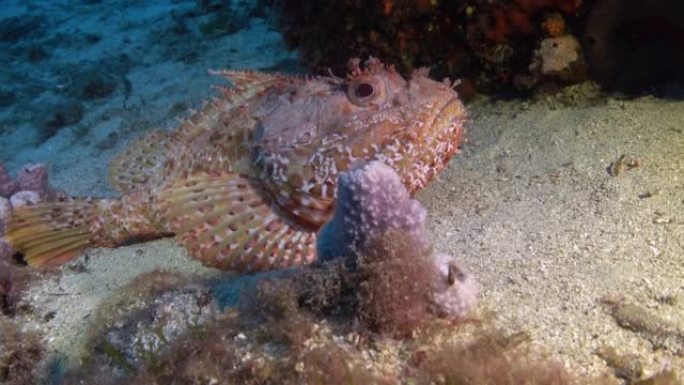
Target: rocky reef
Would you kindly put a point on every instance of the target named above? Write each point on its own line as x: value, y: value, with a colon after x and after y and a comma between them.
x: 501, y: 47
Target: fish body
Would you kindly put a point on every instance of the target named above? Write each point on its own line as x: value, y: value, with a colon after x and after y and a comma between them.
x: 245, y: 183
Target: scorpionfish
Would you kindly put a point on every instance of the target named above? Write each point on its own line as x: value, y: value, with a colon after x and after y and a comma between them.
x: 245, y: 183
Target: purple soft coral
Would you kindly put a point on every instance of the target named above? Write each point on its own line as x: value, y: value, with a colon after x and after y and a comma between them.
x: 372, y: 201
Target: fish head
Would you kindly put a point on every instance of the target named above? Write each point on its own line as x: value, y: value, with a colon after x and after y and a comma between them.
x: 314, y: 129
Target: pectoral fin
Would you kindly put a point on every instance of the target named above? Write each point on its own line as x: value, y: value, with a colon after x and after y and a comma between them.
x: 226, y: 221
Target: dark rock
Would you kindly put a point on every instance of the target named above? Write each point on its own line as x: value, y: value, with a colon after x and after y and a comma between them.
x: 97, y: 86
x: 63, y: 115
x: 16, y: 28
x: 36, y: 53
x: 632, y: 45
x: 7, y: 97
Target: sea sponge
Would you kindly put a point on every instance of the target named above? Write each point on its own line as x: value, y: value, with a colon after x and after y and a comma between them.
x: 5, y: 215
x: 457, y: 291
x: 371, y: 200
x: 559, y: 58
x: 31, y: 177
x: 402, y: 280
x: 12, y: 279
x: 6, y: 285
x: 34, y: 177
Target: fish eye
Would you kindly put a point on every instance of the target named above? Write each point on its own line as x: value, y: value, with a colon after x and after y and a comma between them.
x: 363, y: 90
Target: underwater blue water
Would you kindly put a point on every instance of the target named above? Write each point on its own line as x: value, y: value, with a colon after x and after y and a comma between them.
x: 533, y: 204
x: 82, y: 78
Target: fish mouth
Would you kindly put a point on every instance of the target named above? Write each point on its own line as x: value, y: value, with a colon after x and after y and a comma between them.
x: 435, y: 145
x: 449, y: 120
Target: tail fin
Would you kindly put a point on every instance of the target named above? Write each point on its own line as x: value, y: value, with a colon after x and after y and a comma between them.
x: 56, y: 231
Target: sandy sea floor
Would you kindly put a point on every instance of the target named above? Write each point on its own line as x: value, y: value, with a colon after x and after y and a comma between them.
x: 556, y: 205
x: 530, y: 207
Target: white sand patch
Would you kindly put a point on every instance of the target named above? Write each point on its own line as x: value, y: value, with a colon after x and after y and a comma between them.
x: 530, y: 207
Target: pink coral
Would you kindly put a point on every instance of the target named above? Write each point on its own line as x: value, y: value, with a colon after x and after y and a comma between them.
x: 31, y: 177
x: 7, y: 185
x: 30, y: 186
x: 34, y: 177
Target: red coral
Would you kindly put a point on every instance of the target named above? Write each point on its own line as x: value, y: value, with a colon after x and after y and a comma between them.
x: 509, y: 21
x: 516, y: 18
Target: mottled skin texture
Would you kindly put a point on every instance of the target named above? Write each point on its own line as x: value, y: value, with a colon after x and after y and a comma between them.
x: 245, y: 183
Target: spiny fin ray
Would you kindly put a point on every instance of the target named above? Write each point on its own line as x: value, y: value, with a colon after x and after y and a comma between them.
x: 54, y: 231
x: 142, y: 159
x: 236, y: 227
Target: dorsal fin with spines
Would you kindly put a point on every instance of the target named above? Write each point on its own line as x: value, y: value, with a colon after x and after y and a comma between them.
x: 142, y: 160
